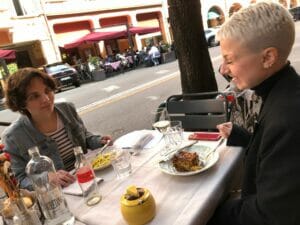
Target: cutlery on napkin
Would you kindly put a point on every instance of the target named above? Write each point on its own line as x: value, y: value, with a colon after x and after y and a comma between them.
x: 74, y: 189
x: 141, y: 139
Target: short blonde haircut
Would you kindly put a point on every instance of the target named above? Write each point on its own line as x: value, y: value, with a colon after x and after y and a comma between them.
x: 260, y: 26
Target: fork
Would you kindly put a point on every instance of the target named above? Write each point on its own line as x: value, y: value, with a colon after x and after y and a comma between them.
x: 212, y: 151
x: 103, y: 147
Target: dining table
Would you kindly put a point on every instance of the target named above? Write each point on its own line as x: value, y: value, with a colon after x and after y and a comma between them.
x: 180, y: 200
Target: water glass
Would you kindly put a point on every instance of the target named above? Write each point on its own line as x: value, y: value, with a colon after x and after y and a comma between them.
x: 121, y: 162
x: 176, y: 128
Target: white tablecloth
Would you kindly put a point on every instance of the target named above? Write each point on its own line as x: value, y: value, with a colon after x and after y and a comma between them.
x: 179, y: 200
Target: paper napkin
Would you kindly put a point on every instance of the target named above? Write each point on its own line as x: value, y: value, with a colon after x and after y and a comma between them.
x: 140, y: 139
x: 74, y: 189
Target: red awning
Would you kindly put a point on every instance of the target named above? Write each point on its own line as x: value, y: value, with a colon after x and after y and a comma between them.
x: 96, y: 37
x: 101, y: 36
x: 7, y: 54
x: 143, y: 30
x: 75, y: 44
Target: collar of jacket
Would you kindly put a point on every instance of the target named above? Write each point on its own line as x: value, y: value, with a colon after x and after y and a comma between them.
x: 264, y: 88
x: 38, y: 136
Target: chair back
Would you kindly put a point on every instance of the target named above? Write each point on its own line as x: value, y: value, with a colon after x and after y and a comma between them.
x: 199, y: 111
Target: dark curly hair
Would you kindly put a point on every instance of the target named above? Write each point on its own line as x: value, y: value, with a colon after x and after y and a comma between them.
x: 17, y: 84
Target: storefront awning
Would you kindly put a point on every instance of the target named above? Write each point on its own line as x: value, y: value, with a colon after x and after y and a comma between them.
x: 7, y: 54
x: 101, y: 36
x: 143, y: 30
x: 96, y: 37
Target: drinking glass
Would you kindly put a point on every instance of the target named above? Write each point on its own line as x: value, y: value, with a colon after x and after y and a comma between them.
x: 121, y: 161
x: 176, y: 128
x: 172, y: 137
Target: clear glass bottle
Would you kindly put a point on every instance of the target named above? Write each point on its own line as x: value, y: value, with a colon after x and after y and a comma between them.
x: 86, y: 178
x: 49, y: 194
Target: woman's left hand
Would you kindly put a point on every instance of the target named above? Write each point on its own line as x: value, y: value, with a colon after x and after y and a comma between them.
x: 105, y: 139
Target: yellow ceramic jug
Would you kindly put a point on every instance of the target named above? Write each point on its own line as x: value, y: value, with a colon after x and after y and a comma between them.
x: 137, y: 206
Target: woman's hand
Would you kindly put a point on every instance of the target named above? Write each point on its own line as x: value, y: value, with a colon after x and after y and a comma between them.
x: 62, y: 177
x: 105, y: 139
x: 225, y: 129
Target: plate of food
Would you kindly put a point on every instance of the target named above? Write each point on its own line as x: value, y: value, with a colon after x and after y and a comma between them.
x: 102, y: 161
x: 189, y: 161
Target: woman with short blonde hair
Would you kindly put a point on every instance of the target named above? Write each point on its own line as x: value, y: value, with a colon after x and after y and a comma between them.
x: 255, y: 44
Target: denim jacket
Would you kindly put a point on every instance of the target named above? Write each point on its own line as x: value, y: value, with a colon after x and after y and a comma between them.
x: 22, y: 135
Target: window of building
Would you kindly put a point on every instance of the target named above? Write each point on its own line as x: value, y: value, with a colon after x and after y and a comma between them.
x: 26, y: 7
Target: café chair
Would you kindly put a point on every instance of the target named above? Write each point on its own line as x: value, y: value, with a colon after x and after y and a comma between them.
x: 199, y: 111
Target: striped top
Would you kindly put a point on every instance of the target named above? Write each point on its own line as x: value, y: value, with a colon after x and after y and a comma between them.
x: 64, y: 145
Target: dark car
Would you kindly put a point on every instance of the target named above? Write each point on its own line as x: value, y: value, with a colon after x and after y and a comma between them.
x: 63, y: 73
x: 295, y: 13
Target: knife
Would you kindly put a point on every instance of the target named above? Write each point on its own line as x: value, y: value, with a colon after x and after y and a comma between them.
x: 170, y: 153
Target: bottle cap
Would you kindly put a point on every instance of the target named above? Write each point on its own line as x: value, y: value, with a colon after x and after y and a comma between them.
x: 77, y: 150
x: 33, y: 150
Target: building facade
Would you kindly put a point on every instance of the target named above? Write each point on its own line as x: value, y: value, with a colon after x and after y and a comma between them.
x: 39, y: 29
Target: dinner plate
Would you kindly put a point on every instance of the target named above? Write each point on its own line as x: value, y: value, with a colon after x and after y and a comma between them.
x: 202, y: 151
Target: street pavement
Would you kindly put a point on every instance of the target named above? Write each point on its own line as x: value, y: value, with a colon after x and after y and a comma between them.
x: 124, y: 102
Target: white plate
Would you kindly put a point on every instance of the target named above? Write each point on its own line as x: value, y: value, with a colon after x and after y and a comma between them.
x: 201, y: 150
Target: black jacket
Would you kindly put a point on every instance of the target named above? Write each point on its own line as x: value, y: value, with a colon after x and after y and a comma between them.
x: 271, y: 185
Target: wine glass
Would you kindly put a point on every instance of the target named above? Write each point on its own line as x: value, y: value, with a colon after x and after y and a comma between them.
x: 162, y: 124
x: 161, y: 120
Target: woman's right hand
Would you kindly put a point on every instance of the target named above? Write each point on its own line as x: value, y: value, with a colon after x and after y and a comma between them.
x: 225, y: 129
x: 62, y: 177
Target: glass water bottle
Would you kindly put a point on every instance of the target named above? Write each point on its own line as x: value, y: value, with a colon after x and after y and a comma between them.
x: 49, y: 194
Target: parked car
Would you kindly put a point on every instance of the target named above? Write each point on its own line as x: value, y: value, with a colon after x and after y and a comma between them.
x: 210, y: 35
x: 295, y: 13
x: 63, y: 73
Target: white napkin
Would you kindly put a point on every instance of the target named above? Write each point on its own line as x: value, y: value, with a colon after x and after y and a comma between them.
x: 140, y: 139
x: 74, y: 189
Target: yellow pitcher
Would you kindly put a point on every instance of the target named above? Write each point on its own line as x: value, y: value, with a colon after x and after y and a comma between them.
x: 137, y: 206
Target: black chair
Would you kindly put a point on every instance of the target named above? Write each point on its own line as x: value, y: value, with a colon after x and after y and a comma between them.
x: 199, y: 111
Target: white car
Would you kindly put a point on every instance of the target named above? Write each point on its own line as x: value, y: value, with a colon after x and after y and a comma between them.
x: 210, y: 35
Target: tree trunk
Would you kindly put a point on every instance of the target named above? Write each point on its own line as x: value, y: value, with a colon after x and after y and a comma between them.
x: 197, y: 74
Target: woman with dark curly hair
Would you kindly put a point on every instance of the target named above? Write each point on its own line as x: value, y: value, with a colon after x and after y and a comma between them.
x: 54, y: 127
